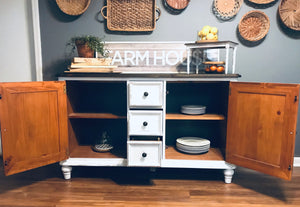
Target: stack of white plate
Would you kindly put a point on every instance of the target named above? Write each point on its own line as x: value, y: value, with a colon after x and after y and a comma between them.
x: 192, y: 145
x: 193, y: 109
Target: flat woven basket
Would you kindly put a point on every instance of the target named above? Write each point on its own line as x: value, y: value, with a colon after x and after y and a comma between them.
x: 131, y: 15
x: 73, y: 7
x: 254, y: 26
x: 289, y: 13
x: 226, y: 9
x: 262, y: 1
x: 178, y: 4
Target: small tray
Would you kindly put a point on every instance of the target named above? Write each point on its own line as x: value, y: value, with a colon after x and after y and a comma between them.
x: 214, y: 63
x: 201, y: 41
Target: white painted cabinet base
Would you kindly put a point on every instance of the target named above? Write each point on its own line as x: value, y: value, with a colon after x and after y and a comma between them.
x: 166, y: 163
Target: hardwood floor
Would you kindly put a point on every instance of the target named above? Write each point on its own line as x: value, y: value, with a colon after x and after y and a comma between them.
x: 92, y: 186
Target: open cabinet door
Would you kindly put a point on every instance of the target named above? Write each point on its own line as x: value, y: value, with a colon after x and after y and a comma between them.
x: 33, y: 118
x: 261, y: 127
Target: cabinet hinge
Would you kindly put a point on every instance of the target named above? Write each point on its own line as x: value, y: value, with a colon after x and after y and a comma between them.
x: 65, y: 89
x: 290, y: 167
x: 296, y: 98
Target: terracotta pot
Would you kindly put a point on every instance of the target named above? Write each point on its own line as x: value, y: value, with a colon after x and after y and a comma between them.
x: 84, y: 50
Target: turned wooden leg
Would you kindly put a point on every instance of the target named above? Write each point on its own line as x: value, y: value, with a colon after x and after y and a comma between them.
x: 228, y: 173
x: 66, y: 171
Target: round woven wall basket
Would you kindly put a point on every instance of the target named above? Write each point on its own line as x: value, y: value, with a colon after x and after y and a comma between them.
x: 73, y: 7
x: 254, y: 26
x: 226, y: 9
x: 289, y: 12
x: 261, y: 1
x: 177, y: 4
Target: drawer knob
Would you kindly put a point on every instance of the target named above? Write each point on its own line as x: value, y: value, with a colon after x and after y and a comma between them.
x: 145, y: 123
x: 144, y: 154
x: 146, y: 94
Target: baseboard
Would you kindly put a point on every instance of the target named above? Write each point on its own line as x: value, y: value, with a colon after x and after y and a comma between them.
x: 296, y: 161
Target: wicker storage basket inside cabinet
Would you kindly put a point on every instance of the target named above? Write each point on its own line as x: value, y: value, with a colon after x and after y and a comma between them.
x: 131, y: 15
x: 254, y: 26
x: 289, y: 12
x: 73, y: 7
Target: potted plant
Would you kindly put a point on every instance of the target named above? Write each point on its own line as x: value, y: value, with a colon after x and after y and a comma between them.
x: 87, y: 45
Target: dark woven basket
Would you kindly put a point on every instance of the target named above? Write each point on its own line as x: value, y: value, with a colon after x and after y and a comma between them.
x: 131, y: 15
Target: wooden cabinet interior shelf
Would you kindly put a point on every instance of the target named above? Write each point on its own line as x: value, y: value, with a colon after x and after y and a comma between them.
x: 95, y: 116
x: 171, y: 116
x: 87, y: 152
x: 212, y: 154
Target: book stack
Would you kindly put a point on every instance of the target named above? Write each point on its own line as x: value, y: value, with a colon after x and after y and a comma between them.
x: 91, y: 65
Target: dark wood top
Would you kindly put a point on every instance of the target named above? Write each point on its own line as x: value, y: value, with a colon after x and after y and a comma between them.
x: 152, y: 75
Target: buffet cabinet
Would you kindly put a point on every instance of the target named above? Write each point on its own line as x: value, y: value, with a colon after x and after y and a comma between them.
x: 248, y: 124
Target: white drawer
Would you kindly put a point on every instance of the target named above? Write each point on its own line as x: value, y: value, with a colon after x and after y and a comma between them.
x: 145, y: 122
x: 145, y: 94
x: 144, y: 153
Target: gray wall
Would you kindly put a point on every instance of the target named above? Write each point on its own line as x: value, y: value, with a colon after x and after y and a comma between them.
x: 276, y: 59
x: 17, y: 50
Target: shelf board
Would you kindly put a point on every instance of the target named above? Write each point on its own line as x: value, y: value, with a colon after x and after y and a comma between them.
x: 212, y: 154
x: 87, y: 152
x: 95, y: 116
x: 194, y: 117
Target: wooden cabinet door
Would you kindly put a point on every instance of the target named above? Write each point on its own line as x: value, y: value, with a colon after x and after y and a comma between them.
x: 33, y: 117
x: 261, y: 127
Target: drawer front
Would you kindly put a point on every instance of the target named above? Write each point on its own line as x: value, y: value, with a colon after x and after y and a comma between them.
x: 145, y: 94
x: 145, y: 123
x: 144, y: 153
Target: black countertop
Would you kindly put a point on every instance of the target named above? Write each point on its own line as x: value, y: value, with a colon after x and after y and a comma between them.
x: 67, y: 75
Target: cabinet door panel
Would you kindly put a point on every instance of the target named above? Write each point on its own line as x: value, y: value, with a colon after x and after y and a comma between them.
x: 262, y: 126
x: 33, y: 124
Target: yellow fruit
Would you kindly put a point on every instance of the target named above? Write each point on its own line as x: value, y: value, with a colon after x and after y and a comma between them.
x: 205, y: 31
x: 214, y: 30
x: 210, y: 36
x: 215, y: 37
x: 200, y: 33
x: 207, y: 28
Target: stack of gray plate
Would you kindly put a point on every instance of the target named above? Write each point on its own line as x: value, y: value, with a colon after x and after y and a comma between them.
x: 193, y: 109
x: 192, y: 145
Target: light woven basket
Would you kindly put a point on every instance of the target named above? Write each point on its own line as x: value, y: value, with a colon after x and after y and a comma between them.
x: 254, y: 26
x: 73, y: 7
x: 177, y: 4
x: 131, y: 15
x: 226, y: 9
x: 262, y: 1
x: 289, y: 12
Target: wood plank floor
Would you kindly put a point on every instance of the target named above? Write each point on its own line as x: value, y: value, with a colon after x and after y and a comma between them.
x: 92, y: 186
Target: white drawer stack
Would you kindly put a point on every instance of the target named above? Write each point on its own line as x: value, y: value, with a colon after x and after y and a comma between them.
x: 145, y: 122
